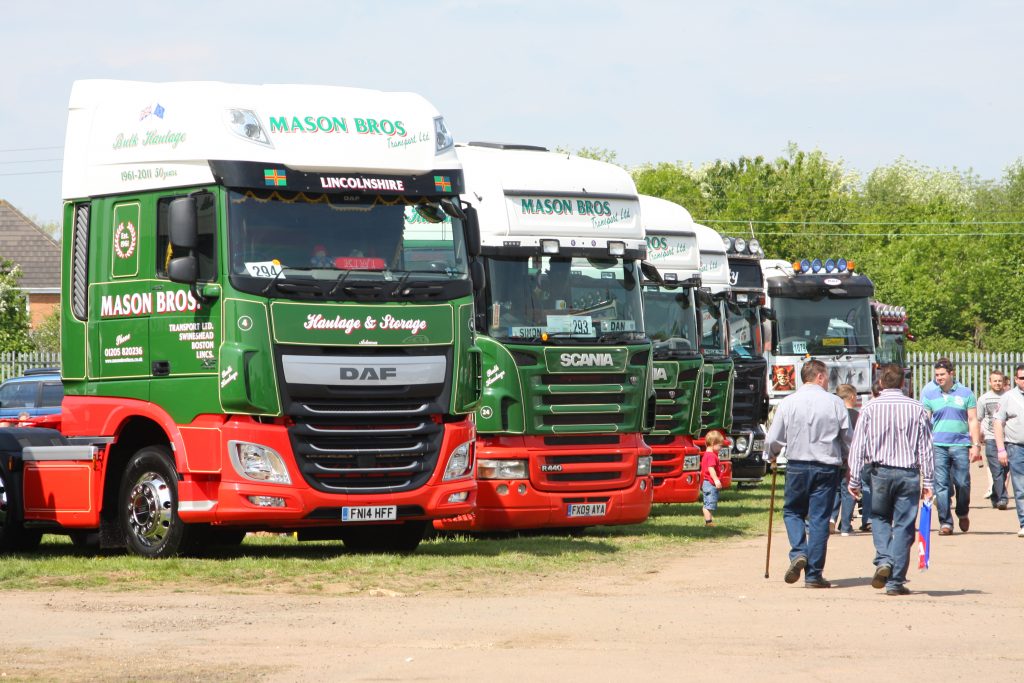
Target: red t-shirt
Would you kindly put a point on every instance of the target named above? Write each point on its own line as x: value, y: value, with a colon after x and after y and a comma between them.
x: 707, y: 461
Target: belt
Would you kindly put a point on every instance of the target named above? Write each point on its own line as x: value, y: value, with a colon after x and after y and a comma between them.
x: 893, y: 467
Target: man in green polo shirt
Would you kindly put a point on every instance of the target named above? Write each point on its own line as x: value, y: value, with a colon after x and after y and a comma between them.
x: 956, y: 437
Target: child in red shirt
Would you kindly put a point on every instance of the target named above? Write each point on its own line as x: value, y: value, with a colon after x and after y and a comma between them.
x: 710, y: 483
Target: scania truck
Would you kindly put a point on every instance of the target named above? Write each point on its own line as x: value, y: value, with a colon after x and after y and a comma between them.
x: 892, y: 331
x: 253, y: 338
x: 566, y: 359
x: 670, y: 315
x: 821, y: 309
x: 745, y: 307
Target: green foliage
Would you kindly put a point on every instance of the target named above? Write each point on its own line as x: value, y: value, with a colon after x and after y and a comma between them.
x: 931, y: 240
x: 13, y: 310
x: 46, y: 336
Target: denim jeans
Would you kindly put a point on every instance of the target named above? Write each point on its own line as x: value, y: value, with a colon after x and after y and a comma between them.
x: 842, y: 509
x: 1015, y: 454
x: 894, y: 501
x: 810, y: 494
x: 998, y: 470
x: 865, y: 499
x: 952, y: 478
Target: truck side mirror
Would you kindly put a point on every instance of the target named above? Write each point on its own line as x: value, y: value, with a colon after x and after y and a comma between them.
x: 650, y: 272
x: 478, y: 275
x: 767, y: 313
x: 183, y: 269
x: 183, y: 223
x: 472, y: 228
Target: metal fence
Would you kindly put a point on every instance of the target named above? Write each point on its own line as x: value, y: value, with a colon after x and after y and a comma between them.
x: 972, y: 368
x: 14, y: 364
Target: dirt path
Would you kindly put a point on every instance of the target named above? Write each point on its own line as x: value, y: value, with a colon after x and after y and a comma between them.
x: 964, y: 619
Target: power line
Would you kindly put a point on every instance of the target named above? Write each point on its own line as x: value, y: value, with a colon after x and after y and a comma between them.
x: 30, y: 149
x: 29, y: 161
x: 891, y: 235
x: 31, y: 173
x: 812, y: 222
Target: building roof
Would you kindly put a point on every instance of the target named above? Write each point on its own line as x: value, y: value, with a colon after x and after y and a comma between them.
x: 25, y: 243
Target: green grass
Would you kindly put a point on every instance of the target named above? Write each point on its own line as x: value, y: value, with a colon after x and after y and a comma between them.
x: 443, y: 563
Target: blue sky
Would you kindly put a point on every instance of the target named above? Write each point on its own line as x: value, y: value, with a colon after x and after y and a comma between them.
x: 867, y: 82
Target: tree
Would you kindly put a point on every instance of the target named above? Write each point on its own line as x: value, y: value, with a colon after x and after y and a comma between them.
x: 46, y: 337
x: 13, y: 310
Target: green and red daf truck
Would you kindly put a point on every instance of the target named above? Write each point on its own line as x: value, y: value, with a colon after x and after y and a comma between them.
x: 267, y: 322
x: 566, y: 361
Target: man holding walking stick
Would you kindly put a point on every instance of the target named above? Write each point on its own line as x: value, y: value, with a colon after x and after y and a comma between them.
x: 814, y: 427
x: 893, y: 440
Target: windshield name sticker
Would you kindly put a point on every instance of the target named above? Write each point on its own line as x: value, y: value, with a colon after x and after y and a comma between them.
x: 575, y: 325
x: 799, y: 347
x: 525, y: 332
x: 833, y: 341
x: 358, y: 183
x: 265, y: 269
x: 618, y: 326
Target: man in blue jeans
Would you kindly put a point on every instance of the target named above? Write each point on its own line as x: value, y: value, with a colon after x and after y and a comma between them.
x: 1008, y: 425
x: 956, y: 435
x: 814, y: 427
x: 893, y: 440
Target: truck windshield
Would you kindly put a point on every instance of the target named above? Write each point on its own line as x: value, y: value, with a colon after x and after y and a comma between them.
x: 823, y: 326
x: 712, y: 328
x: 569, y: 298
x: 744, y: 330
x: 325, y: 238
x: 671, y: 319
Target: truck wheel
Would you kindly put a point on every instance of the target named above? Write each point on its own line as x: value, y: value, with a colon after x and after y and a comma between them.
x: 148, y: 506
x: 391, y: 538
x: 13, y: 534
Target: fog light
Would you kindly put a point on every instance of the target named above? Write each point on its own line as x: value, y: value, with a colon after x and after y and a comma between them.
x: 643, y: 484
x: 521, y: 489
x: 458, y: 497
x: 502, y: 489
x: 267, y: 501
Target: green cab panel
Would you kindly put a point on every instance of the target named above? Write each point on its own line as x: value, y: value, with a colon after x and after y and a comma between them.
x: 679, y: 385
x: 339, y: 324
x: 718, y: 386
x: 247, y: 378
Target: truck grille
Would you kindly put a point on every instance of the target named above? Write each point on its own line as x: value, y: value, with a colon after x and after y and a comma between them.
x: 582, y: 471
x: 748, y: 396
x: 365, y: 439
x: 582, y: 402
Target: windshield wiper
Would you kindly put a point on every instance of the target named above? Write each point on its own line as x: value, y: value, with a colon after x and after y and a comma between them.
x: 273, y: 282
x: 621, y: 335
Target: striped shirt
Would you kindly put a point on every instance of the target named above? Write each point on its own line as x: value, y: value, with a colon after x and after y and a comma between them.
x: 894, y: 431
x: 950, y: 425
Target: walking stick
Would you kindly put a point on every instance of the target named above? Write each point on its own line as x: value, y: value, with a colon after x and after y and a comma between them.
x: 771, y: 513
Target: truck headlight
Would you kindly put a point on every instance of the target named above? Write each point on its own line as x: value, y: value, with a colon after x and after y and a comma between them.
x: 643, y: 465
x: 691, y: 463
x: 501, y: 469
x: 258, y: 463
x: 460, y: 462
x: 741, y: 444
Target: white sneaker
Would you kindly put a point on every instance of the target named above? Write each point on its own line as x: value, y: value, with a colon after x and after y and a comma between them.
x: 1021, y: 532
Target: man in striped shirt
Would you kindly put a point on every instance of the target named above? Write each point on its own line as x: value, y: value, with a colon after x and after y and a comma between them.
x: 893, y: 441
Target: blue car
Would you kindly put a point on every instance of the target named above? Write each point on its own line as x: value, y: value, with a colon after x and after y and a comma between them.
x: 39, y: 392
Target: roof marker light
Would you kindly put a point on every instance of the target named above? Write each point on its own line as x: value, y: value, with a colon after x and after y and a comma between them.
x: 830, y: 265
x: 727, y: 243
x: 549, y: 246
x: 741, y: 245
x: 755, y: 246
x: 841, y: 265
x: 816, y: 265
x: 617, y: 248
x: 805, y: 266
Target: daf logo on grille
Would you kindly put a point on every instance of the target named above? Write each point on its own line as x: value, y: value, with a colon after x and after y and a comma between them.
x: 550, y: 468
x: 368, y: 373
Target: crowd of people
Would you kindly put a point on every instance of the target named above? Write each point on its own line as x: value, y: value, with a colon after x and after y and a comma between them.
x: 890, y: 455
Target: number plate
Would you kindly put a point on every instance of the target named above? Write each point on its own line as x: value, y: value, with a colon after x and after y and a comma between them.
x: 758, y: 445
x: 588, y: 509
x: 369, y: 513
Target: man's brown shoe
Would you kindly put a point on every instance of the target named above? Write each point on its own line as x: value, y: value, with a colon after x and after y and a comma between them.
x: 946, y: 531
x: 881, y: 576
x: 795, y: 567
x: 965, y: 523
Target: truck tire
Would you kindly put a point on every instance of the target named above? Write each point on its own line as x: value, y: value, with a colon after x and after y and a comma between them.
x: 14, y: 537
x: 148, y: 506
x: 391, y: 538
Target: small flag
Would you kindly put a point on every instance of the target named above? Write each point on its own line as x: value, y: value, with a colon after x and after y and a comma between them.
x: 274, y: 177
x: 924, y: 534
x: 442, y: 183
x: 159, y: 110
